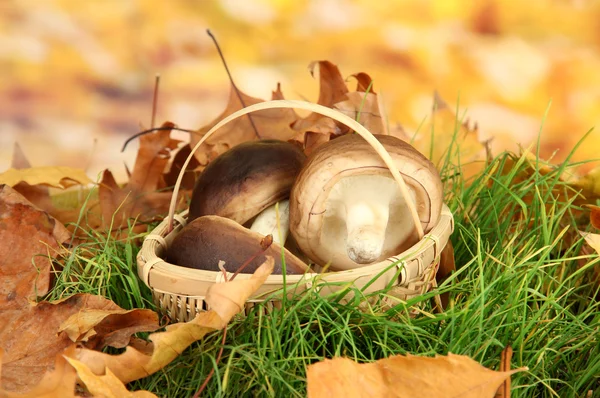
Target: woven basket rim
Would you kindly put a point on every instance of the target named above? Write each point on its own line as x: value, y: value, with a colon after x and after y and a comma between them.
x: 168, y: 278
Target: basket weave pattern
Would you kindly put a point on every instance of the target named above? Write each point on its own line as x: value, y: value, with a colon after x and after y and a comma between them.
x: 179, y: 292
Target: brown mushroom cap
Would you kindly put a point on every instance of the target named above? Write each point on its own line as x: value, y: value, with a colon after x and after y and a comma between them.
x: 207, y: 240
x: 342, y: 160
x: 246, y: 179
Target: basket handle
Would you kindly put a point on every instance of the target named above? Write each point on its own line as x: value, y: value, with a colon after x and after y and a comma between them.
x: 322, y: 110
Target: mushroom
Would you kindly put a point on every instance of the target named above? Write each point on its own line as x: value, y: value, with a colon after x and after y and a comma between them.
x: 346, y: 210
x: 207, y: 240
x: 247, y: 179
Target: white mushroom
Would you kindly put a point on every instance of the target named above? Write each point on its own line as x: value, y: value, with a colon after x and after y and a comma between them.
x: 266, y: 222
x: 347, y: 210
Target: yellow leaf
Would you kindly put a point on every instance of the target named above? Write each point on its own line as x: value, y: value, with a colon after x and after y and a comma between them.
x: 108, y: 385
x: 593, y: 240
x: 54, y: 176
x: 404, y: 376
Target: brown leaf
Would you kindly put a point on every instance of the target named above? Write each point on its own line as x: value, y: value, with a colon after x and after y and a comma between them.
x: 504, y: 389
x: 30, y: 237
x: 31, y: 339
x: 151, y: 160
x: 125, y: 204
x: 332, y: 90
x: 404, y: 376
x: 139, y: 200
x: 107, y: 386
x: 446, y: 267
x: 109, y: 326
x: 58, y: 383
x: 366, y: 107
x: 270, y: 123
x: 594, y: 215
x: 134, y: 364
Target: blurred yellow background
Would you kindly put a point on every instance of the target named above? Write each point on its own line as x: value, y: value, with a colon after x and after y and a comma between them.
x: 76, y: 76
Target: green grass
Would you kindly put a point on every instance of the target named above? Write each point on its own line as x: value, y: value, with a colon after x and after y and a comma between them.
x: 521, y: 281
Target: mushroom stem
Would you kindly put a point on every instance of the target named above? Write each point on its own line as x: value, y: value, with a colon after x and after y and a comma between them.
x: 266, y: 222
x: 365, y: 225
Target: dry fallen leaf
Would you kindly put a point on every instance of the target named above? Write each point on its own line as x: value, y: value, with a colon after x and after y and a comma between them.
x: 30, y: 336
x: 593, y: 240
x: 108, y: 326
x: 52, y: 176
x: 30, y: 237
x: 364, y: 104
x: 135, y: 364
x: 270, y: 123
x: 58, y: 383
x: 39, y: 195
x: 106, y: 386
x: 404, y: 376
x: 437, y: 140
x: 594, y: 215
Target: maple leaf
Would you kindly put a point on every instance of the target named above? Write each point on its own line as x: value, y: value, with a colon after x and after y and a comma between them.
x: 265, y: 124
x: 31, y: 338
x: 444, y: 136
x: 404, y: 376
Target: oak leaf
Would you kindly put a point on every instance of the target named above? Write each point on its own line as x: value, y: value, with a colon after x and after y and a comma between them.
x: 404, y: 376
x: 270, y: 123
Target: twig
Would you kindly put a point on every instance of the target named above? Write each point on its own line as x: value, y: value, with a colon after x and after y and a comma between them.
x: 505, y: 358
x: 152, y: 130
x: 212, y: 371
x: 239, y: 95
x: 265, y: 243
x: 155, y: 100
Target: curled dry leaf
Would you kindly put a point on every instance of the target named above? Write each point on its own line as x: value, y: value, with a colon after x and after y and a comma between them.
x: 404, y: 376
x: 106, y: 386
x: 108, y: 326
x: 135, y: 364
x: 58, y: 383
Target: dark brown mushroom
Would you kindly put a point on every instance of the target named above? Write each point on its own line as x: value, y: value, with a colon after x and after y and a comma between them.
x: 245, y: 180
x: 207, y: 240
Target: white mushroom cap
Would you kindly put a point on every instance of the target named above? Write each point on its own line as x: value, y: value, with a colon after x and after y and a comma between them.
x: 346, y: 210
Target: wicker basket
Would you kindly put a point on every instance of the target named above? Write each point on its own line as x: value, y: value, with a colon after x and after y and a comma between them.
x: 179, y: 292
